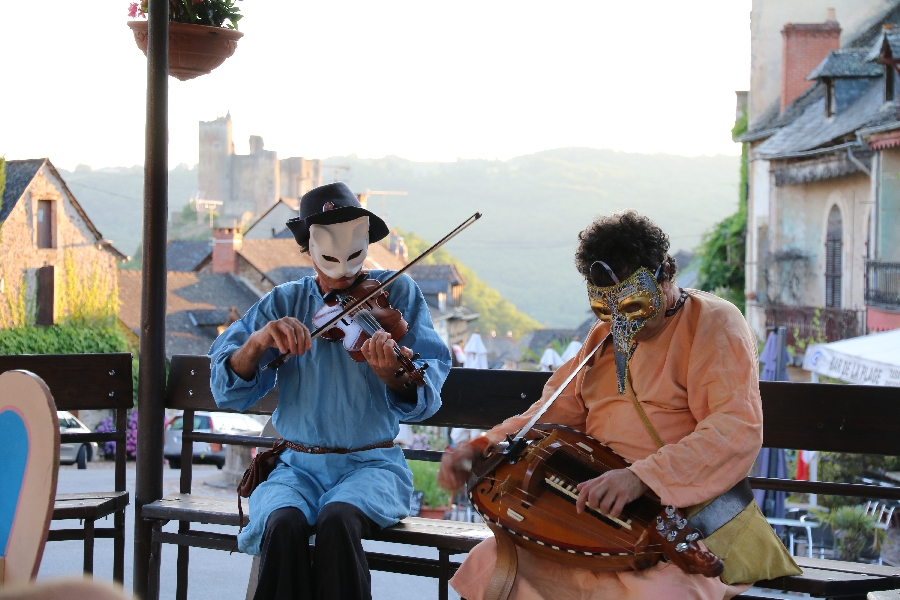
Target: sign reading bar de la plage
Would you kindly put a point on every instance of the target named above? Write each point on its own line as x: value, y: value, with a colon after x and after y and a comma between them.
x: 852, y: 369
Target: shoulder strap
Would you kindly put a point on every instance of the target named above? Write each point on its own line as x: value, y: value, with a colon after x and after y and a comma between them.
x: 507, y: 565
x: 640, y: 411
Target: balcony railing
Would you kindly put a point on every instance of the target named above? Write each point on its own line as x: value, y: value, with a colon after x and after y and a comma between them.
x: 810, y: 323
x: 883, y: 284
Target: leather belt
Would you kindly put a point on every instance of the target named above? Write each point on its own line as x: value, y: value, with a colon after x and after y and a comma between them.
x: 723, y: 509
x: 322, y: 450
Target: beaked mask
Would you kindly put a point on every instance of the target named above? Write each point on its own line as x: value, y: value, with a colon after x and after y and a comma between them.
x: 340, y: 249
x: 628, y: 305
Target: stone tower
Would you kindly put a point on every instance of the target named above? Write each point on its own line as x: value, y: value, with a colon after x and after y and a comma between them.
x: 248, y: 184
x: 216, y: 150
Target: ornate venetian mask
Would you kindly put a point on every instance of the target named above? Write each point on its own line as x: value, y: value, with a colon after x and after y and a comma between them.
x: 628, y: 305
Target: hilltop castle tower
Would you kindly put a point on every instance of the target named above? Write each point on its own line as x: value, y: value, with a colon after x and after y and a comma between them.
x: 248, y: 184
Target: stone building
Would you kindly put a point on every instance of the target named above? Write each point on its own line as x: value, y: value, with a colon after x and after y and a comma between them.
x: 248, y: 184
x: 53, y: 260
x: 822, y: 256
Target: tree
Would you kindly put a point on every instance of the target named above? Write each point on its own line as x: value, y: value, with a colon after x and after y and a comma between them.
x: 496, y: 313
x: 722, y: 252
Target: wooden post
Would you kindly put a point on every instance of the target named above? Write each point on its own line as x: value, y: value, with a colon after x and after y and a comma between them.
x: 152, y: 375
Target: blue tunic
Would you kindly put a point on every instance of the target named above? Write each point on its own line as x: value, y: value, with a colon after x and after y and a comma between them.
x: 327, y: 399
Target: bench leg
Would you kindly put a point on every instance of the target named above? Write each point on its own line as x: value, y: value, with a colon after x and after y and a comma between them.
x: 119, y: 546
x: 89, y: 546
x: 155, y: 561
x: 444, y: 579
x: 181, y: 580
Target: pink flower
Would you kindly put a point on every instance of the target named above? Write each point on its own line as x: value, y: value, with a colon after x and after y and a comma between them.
x: 132, y: 10
x: 197, y: 1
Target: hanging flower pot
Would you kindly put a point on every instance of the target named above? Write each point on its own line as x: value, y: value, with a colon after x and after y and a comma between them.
x: 194, y: 50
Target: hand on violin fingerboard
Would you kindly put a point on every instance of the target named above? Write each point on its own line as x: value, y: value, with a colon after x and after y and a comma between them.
x: 379, y: 353
x: 287, y: 334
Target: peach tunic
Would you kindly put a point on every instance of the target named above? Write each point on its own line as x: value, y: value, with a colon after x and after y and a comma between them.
x: 697, y: 380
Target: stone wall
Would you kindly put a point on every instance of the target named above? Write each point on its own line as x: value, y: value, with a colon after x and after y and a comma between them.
x: 77, y: 257
x: 799, y: 223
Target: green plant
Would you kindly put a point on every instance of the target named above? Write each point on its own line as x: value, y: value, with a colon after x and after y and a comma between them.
x: 2, y: 179
x: 853, y: 529
x: 496, y: 313
x: 722, y: 252
x: 425, y: 481
x: 817, y: 336
x: 199, y: 12
x: 848, y: 468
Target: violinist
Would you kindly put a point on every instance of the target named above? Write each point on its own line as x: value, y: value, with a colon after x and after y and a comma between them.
x: 341, y: 476
x: 673, y: 389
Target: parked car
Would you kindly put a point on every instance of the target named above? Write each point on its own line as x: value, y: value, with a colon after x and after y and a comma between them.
x: 71, y: 453
x: 207, y: 422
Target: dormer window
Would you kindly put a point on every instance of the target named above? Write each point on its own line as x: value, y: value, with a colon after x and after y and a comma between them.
x: 830, y: 101
x: 890, y: 83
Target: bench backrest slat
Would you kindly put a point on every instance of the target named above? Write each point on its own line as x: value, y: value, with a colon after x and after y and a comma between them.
x: 860, y: 419
x: 187, y: 387
x: 80, y: 381
x: 830, y: 418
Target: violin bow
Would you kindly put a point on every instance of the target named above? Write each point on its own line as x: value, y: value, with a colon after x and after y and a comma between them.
x: 518, y: 443
x: 377, y: 290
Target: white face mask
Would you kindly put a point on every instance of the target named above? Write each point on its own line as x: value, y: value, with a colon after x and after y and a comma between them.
x: 340, y: 249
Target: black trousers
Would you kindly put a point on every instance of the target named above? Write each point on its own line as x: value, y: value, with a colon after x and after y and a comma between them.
x: 335, y: 568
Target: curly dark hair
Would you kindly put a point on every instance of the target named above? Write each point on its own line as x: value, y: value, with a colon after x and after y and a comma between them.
x: 626, y: 241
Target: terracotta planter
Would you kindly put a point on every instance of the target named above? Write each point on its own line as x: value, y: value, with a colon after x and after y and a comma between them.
x: 194, y: 50
x: 428, y: 512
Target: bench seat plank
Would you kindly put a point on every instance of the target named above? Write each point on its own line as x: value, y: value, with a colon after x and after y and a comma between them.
x: 848, y: 567
x: 90, y: 505
x: 447, y: 535
x: 196, y: 509
x: 830, y: 583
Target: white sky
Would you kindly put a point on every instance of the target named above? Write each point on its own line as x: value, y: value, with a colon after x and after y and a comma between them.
x: 423, y: 80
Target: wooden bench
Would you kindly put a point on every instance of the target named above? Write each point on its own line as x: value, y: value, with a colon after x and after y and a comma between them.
x: 828, y: 418
x: 88, y: 382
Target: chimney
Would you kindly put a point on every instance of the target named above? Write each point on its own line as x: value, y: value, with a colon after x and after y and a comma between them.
x: 226, y: 243
x: 805, y: 46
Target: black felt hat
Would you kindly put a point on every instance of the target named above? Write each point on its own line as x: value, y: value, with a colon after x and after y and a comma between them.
x: 332, y: 203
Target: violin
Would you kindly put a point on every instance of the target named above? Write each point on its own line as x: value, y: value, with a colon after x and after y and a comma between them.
x: 363, y: 297
x: 531, y: 493
x: 361, y: 323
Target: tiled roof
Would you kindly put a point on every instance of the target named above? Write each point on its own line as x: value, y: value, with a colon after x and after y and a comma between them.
x: 447, y: 272
x: 846, y: 63
x: 19, y: 174
x: 187, y: 255
x: 382, y: 258
x: 773, y: 119
x: 202, y: 296
x: 538, y: 340
x: 431, y: 286
x: 281, y: 260
x: 813, y: 130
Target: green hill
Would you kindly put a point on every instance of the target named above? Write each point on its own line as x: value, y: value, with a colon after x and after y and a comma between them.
x: 533, y: 206
x: 113, y: 198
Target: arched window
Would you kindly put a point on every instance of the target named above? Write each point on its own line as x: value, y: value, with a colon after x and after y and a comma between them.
x: 834, y: 264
